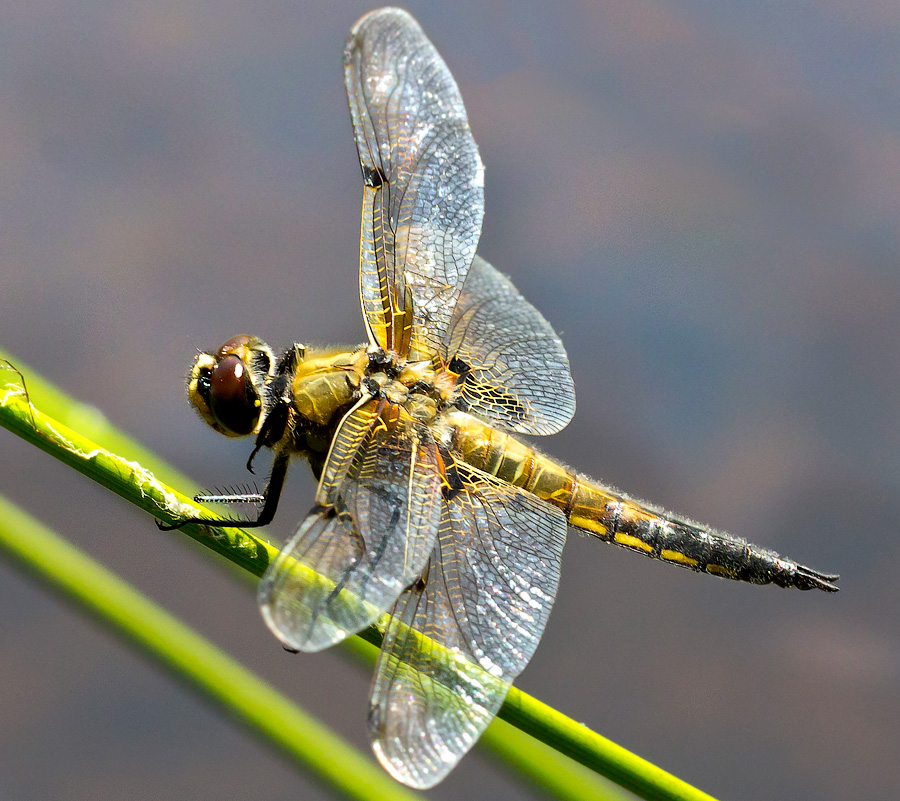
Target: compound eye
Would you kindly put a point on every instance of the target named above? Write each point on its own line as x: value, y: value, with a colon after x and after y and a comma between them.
x: 234, y: 344
x: 233, y: 400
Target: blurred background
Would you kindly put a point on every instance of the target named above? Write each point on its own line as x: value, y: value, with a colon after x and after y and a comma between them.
x: 701, y: 196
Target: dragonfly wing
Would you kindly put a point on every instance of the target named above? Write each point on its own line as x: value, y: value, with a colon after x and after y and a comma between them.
x: 350, y: 560
x: 518, y: 371
x: 461, y: 635
x: 423, y: 199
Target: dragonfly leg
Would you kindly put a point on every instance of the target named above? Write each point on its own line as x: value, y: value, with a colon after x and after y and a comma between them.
x: 270, y: 497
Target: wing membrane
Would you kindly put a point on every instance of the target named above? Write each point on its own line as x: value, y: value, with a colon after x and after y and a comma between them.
x: 423, y: 199
x: 485, y: 598
x: 518, y: 368
x: 353, y: 431
x: 349, y: 561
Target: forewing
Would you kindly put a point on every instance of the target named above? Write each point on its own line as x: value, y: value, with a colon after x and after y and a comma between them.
x: 518, y: 374
x: 460, y: 636
x: 423, y: 199
x: 355, y: 429
x: 348, y: 562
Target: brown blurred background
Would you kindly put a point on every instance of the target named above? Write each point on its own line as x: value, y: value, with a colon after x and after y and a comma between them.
x: 703, y: 198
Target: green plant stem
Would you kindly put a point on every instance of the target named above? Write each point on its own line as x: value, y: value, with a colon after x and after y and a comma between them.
x: 546, y: 767
x: 134, y: 483
x: 124, y: 475
x: 593, y: 750
x: 194, y: 659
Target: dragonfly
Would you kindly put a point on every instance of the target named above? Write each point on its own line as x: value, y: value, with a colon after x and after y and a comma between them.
x: 430, y: 506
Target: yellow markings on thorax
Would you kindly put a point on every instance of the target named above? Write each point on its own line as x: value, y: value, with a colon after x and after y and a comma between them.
x: 414, y: 372
x: 325, y: 384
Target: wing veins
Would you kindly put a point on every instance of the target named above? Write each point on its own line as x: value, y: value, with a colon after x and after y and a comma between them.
x: 385, y: 280
x: 407, y: 107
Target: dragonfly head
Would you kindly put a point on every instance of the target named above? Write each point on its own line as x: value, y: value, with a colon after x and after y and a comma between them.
x: 227, y: 387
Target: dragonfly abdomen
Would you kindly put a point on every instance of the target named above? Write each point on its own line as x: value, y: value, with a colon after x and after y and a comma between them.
x: 612, y: 516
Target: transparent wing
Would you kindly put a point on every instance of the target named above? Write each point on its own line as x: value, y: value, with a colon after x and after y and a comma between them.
x: 423, y: 199
x: 518, y: 371
x: 349, y: 561
x: 462, y: 633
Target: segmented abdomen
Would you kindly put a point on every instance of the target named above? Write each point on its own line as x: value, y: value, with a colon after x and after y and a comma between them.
x: 611, y: 516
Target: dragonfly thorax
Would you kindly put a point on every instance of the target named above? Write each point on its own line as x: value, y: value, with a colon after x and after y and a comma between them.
x: 416, y: 385
x: 237, y: 388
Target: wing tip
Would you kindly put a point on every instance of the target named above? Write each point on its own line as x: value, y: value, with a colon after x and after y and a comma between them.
x: 413, y: 775
x: 380, y: 14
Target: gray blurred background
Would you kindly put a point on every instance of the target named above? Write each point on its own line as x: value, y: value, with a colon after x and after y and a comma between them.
x: 701, y: 196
